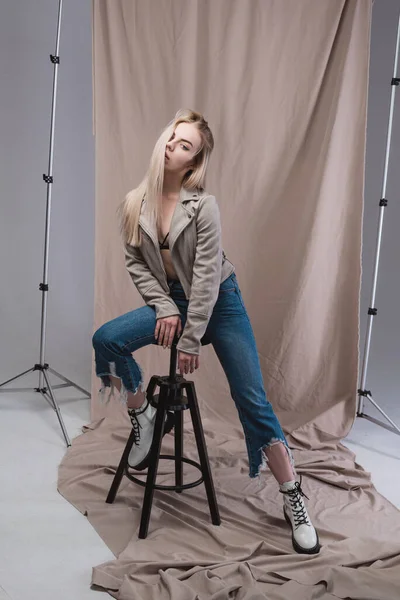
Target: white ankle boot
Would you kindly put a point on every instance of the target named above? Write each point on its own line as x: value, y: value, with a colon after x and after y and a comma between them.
x: 143, y: 421
x: 304, y: 536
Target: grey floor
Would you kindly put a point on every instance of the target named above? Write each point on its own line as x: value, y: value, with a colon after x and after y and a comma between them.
x: 47, y: 548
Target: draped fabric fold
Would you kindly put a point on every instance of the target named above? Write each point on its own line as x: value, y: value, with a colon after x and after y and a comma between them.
x: 283, y: 86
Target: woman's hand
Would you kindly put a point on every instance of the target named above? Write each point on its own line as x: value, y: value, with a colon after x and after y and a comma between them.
x: 165, y: 330
x: 187, y: 361
x: 165, y: 333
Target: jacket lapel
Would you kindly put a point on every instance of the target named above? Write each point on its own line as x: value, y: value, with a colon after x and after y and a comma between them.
x: 181, y: 217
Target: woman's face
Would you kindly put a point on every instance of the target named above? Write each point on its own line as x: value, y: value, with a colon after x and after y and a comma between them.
x: 181, y: 148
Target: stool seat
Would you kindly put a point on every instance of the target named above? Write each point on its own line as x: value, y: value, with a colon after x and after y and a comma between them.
x: 170, y: 401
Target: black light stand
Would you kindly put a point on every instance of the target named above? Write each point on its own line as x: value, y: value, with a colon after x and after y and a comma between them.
x: 42, y: 367
x: 372, y: 312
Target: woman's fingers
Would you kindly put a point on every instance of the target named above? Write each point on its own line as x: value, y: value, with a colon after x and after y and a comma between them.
x: 187, y: 362
x: 171, y: 336
x: 161, y: 333
x: 165, y: 330
x: 166, y: 335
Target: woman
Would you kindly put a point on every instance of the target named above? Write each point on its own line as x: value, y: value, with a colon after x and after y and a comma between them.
x: 172, y: 240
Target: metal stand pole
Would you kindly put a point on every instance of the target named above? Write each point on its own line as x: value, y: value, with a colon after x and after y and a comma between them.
x: 372, y: 312
x: 42, y: 367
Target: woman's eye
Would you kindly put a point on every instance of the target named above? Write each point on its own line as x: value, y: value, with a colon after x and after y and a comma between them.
x: 183, y: 146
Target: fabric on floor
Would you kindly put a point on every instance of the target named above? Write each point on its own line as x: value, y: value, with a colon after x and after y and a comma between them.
x: 283, y: 86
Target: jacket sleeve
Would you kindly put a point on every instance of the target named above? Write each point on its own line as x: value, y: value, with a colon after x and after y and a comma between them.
x: 147, y: 284
x: 206, y: 276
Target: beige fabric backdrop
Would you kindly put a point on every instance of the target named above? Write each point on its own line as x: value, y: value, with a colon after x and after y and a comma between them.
x: 283, y: 85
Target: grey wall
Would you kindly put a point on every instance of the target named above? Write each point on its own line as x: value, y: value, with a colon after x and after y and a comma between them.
x: 383, y: 376
x: 27, y: 37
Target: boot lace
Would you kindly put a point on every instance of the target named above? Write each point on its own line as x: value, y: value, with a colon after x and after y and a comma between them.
x: 297, y: 505
x: 136, y: 426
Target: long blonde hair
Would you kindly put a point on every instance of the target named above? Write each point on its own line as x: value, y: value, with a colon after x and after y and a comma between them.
x: 152, y: 184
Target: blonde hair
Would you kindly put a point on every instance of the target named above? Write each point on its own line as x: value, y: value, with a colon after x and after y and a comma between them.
x: 152, y: 184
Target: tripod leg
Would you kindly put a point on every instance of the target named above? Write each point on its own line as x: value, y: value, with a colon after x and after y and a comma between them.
x: 13, y: 379
x: 57, y: 409
x: 153, y: 464
x: 71, y: 383
x: 202, y: 450
x: 395, y: 428
x: 178, y: 448
x: 121, y: 468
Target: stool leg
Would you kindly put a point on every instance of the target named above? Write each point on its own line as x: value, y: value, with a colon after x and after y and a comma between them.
x: 121, y: 468
x: 153, y: 464
x: 178, y: 448
x: 202, y: 450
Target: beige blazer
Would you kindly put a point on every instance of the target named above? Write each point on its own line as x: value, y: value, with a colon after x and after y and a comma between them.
x: 198, y: 259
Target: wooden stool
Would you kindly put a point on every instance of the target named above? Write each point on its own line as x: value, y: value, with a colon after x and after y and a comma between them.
x: 173, y: 402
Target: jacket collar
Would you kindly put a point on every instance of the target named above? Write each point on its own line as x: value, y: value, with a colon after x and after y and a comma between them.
x: 186, y: 194
x: 149, y: 225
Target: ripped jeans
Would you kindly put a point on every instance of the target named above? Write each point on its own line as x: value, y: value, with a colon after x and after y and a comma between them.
x: 229, y: 331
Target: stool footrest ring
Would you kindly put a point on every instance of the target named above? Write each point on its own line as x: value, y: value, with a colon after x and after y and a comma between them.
x: 171, y: 401
x: 184, y: 486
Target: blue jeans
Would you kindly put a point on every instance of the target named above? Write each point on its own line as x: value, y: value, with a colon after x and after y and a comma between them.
x: 229, y: 331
